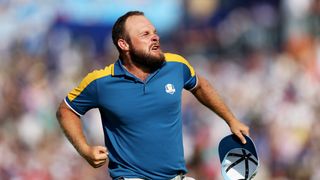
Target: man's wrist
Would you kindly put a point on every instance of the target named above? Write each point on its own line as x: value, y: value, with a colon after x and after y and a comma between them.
x: 83, y: 149
x: 230, y: 121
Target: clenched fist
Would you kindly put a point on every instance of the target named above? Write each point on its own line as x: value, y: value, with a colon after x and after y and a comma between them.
x: 96, y: 155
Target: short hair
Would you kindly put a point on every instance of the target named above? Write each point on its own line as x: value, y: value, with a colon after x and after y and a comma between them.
x: 118, y: 29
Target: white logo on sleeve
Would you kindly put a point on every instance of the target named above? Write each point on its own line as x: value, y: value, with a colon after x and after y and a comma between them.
x: 170, y: 89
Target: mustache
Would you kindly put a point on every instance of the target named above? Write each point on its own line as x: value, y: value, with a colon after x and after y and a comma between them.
x: 156, y: 44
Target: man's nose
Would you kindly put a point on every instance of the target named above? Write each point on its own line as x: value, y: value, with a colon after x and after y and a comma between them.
x: 155, y: 38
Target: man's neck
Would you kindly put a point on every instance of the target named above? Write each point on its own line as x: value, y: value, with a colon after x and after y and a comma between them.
x: 140, y: 72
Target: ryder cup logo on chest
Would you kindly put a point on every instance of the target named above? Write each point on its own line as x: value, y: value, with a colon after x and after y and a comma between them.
x: 170, y: 89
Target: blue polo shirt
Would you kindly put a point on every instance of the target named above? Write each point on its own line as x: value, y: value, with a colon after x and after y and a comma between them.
x: 141, y: 119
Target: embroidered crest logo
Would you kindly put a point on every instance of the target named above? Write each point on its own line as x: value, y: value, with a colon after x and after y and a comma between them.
x: 170, y: 89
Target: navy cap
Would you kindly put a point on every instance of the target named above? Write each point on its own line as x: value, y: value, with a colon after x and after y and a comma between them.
x: 238, y: 160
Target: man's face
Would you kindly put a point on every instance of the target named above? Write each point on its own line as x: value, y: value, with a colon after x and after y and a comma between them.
x: 144, y: 42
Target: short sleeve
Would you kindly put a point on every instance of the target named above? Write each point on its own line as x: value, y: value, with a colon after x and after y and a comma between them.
x: 84, y: 97
x: 189, y: 75
x: 190, y: 79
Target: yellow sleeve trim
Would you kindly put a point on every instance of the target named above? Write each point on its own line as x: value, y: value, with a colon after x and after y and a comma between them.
x: 177, y: 58
x: 97, y: 74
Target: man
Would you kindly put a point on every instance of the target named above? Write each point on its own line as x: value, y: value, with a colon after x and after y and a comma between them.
x: 139, y: 99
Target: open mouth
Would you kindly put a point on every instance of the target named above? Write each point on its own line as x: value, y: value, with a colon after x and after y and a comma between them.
x: 155, y: 47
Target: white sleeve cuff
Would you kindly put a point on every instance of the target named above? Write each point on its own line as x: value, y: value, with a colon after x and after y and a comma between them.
x: 72, y: 108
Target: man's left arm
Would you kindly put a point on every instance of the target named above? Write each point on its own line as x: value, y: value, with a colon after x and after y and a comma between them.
x: 208, y: 96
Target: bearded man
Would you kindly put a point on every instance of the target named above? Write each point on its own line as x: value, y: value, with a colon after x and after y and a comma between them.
x: 139, y: 99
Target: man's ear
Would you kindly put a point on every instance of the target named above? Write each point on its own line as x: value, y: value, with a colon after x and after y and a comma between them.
x: 123, y: 44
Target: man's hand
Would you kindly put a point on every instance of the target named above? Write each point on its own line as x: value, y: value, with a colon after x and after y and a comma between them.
x: 239, y: 129
x: 96, y: 155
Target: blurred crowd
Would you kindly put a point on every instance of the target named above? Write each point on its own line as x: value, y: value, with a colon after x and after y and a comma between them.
x: 263, y: 57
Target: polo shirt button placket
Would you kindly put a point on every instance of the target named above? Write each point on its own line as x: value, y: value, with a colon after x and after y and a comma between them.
x: 144, y: 88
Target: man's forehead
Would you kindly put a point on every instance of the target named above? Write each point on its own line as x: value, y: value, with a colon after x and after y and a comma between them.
x: 138, y: 22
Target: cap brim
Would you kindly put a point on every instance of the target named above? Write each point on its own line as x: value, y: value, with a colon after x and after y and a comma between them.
x: 231, y: 142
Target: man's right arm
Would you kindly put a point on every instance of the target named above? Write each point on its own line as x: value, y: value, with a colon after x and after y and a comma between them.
x: 71, y: 125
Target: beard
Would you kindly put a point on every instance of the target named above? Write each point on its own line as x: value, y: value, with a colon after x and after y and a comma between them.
x: 146, y: 59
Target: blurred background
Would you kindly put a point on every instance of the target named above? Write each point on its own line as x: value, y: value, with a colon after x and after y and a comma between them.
x: 263, y: 56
